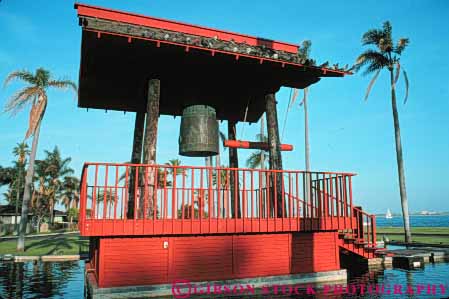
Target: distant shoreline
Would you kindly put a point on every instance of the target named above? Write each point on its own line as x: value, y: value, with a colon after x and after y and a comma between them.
x: 421, y: 215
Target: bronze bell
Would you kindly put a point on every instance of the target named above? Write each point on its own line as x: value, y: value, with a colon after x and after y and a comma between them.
x: 198, y: 135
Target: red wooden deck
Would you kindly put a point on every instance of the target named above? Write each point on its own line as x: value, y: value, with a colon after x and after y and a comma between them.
x: 183, y: 224
x: 185, y: 200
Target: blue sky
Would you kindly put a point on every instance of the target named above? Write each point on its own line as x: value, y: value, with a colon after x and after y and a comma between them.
x: 346, y: 133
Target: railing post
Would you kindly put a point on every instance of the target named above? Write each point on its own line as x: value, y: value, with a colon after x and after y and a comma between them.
x: 210, y: 198
x: 173, y: 195
x: 105, y: 193
x: 359, y: 219
x: 373, y: 229
x: 145, y: 194
x: 351, y: 208
x: 93, y: 213
x: 83, y: 199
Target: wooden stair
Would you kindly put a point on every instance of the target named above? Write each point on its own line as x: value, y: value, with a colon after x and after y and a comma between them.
x: 361, y: 247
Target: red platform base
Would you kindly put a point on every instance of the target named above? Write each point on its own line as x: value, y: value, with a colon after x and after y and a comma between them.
x: 134, y: 261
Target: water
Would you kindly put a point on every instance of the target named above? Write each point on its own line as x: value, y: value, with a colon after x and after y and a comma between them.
x: 66, y: 280
x: 42, y: 280
x: 415, y: 221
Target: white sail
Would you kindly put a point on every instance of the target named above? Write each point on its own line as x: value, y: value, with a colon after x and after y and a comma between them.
x: 388, y: 215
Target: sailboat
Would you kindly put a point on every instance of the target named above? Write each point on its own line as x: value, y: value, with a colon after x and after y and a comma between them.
x: 388, y: 215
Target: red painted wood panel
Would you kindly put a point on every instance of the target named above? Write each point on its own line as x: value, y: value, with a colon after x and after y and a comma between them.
x: 133, y: 261
x: 201, y: 258
x: 261, y: 255
x: 314, y: 252
x: 145, y: 261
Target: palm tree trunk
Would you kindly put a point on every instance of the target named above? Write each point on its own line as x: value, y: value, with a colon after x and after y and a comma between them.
x: 306, y: 135
x: 400, y: 161
x: 27, y: 191
x: 17, y: 199
x: 52, y: 211
x: 307, y: 151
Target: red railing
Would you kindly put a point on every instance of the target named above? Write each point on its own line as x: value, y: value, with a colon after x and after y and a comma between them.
x: 136, y: 199
x: 362, y: 225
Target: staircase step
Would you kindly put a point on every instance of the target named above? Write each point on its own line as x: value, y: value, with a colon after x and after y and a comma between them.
x: 361, y: 242
x: 349, y: 237
x: 371, y: 248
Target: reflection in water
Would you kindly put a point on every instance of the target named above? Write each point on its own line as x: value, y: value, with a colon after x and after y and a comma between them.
x: 42, y: 280
x: 66, y: 280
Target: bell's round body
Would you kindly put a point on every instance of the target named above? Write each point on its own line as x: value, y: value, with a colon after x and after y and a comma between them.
x: 198, y: 136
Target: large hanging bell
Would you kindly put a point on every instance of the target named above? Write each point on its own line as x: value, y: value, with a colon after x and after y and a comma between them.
x: 198, y: 135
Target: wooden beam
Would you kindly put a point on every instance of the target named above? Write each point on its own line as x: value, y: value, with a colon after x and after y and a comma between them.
x: 149, y: 146
x: 275, y: 158
x: 234, y: 179
x: 136, y: 158
x: 254, y: 145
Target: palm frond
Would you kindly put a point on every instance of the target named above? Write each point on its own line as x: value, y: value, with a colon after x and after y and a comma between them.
x: 406, y: 85
x: 293, y: 96
x: 21, y: 151
x: 370, y: 86
x: 254, y: 160
x: 63, y: 84
x: 23, y: 97
x: 306, y: 92
x: 42, y: 77
x: 23, y: 75
x: 373, y: 37
x: 401, y: 45
x: 386, y: 43
x: 387, y: 29
x: 375, y: 60
x: 304, y: 51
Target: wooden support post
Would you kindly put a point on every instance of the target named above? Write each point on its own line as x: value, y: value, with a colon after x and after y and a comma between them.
x: 136, y: 158
x: 275, y: 158
x: 149, y: 146
x: 234, y: 175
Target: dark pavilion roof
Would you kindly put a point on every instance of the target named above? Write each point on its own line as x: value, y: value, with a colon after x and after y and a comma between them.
x: 229, y: 71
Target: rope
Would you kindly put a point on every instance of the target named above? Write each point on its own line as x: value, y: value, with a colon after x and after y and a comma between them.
x: 290, y: 104
x: 244, y: 121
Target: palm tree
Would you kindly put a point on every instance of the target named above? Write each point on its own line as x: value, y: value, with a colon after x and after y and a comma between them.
x: 21, y: 151
x: 304, y: 52
x: 175, y: 163
x: 110, y: 195
x: 35, y: 95
x: 386, y: 55
x: 40, y: 201
x: 6, y: 175
x: 222, y: 137
x: 256, y: 159
x: 304, y: 55
x: 70, y: 195
x: 54, y: 168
